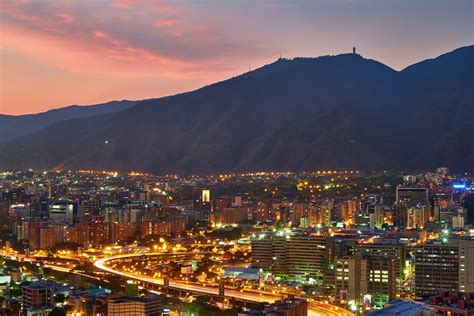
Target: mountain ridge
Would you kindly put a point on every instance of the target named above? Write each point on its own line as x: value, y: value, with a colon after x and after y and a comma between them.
x: 342, y: 111
x: 14, y: 126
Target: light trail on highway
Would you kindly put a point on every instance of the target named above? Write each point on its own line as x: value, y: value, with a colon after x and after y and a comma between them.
x: 315, y: 308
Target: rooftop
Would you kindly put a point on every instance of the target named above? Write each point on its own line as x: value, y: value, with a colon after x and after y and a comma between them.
x: 402, y: 308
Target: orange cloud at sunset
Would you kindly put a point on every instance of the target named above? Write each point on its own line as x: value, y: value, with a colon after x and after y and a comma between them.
x: 55, y: 53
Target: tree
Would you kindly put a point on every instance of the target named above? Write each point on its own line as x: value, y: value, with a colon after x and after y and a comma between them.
x: 58, y: 311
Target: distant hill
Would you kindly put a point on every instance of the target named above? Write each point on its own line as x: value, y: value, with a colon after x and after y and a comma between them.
x: 338, y: 112
x: 14, y: 126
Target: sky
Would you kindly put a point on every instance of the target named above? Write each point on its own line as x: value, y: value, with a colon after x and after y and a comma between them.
x: 58, y: 53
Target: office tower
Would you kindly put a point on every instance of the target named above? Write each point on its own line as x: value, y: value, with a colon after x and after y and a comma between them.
x: 218, y: 204
x: 416, y: 216
x: 177, y: 224
x: 412, y: 196
x: 326, y: 213
x: 412, y: 206
x: 436, y: 268
x: 365, y: 280
x: 262, y: 253
x: 231, y: 215
x: 47, y: 238
x: 79, y: 234
x: 99, y: 234
x: 351, y: 280
x: 306, y: 257
x: 34, y: 229
x: 264, y: 211
x: 376, y: 217
x: 121, y: 232
x: 237, y: 201
x: 466, y: 265
x: 64, y: 211
x: 23, y: 210
x: 297, y: 212
x: 458, y: 219
x: 410, y: 217
x: 302, y: 258
x: 381, y: 280
x: 206, y: 196
x: 137, y: 306
x: 37, y: 295
x: 397, y: 252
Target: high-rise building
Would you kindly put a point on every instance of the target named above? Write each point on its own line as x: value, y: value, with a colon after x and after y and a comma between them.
x: 177, y: 224
x: 218, y: 204
x: 365, y: 280
x: 264, y: 211
x: 298, y: 210
x: 299, y: 257
x: 416, y: 199
x: 396, y: 252
x: 351, y: 280
x: 279, y: 255
x: 237, y: 201
x: 206, y: 196
x: 37, y: 295
x: 231, y: 215
x: 412, y: 196
x: 47, y: 237
x: 436, y: 268
x: 64, y: 211
x: 99, y: 234
x: 121, y: 232
x: 137, y: 306
x: 466, y: 265
x: 33, y: 235
x: 416, y: 216
x: 161, y: 228
x: 381, y: 280
x: 306, y: 257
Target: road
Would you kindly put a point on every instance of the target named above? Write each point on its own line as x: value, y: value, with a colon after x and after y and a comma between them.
x: 315, y: 309
x: 17, y: 256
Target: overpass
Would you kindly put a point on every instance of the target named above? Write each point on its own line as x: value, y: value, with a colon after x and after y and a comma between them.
x: 157, y: 284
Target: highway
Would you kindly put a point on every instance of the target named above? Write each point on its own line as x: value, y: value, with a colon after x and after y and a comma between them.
x: 315, y: 309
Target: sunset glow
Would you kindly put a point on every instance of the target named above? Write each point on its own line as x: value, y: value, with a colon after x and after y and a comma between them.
x: 56, y: 53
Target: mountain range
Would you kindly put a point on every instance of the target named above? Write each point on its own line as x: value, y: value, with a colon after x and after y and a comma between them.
x: 337, y: 112
x: 12, y: 127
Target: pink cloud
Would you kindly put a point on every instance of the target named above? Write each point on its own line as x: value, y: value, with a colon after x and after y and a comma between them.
x: 66, y: 17
x: 62, y: 35
x: 164, y: 23
x: 165, y: 48
x: 126, y: 4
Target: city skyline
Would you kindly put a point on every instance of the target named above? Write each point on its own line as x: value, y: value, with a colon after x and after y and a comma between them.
x: 54, y: 55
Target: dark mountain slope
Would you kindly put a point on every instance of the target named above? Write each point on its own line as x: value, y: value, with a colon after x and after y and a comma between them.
x: 438, y: 92
x: 12, y: 126
x: 308, y: 113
